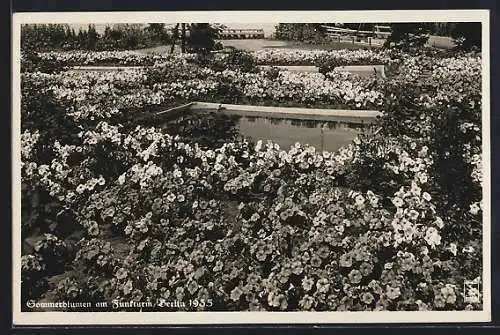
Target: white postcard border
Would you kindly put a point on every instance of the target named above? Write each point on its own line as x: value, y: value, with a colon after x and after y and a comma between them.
x: 214, y: 318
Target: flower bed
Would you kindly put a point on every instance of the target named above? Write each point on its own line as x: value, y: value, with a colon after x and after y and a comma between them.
x: 313, y: 57
x: 103, y: 58
x: 379, y: 225
x: 261, y: 57
x: 95, y: 94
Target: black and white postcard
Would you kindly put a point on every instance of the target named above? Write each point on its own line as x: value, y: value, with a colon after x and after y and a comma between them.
x: 251, y: 167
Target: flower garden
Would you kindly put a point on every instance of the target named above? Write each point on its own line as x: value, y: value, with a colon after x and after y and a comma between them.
x: 119, y: 209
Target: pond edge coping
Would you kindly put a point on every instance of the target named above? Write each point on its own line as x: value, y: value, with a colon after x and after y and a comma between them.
x: 360, y: 116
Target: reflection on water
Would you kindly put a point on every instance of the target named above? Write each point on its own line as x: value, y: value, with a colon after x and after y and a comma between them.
x: 323, y: 135
x: 211, y: 128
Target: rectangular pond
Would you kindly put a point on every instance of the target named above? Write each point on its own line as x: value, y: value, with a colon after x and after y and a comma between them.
x: 212, y: 128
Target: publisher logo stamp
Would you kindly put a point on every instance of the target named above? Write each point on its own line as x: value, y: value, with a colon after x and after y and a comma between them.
x: 472, y: 291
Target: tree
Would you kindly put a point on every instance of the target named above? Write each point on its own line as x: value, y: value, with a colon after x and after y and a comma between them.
x: 175, y: 37
x: 202, y: 37
x: 82, y: 39
x: 183, y: 37
x: 129, y: 36
x: 156, y: 32
x: 407, y: 35
x: 92, y: 38
x: 300, y: 31
x: 467, y: 35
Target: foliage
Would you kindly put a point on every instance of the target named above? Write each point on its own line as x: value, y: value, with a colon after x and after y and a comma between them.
x: 42, y: 37
x: 202, y: 36
x: 407, y: 36
x: 299, y: 31
x: 157, y: 32
x: 467, y: 35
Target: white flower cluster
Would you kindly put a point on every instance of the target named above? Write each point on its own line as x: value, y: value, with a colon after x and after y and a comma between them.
x: 451, y: 66
x: 94, y: 57
x: 28, y: 141
x: 143, y: 174
x: 90, y: 184
x: 146, y: 142
x: 294, y: 56
x: 312, y: 87
x: 103, y: 132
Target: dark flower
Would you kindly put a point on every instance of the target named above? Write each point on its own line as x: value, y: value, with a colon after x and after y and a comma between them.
x: 260, y: 255
x: 307, y: 302
x: 137, y: 295
x: 316, y: 261
x: 121, y: 273
x: 127, y: 288
x: 250, y: 296
x: 345, y: 261
x: 392, y: 292
x: 307, y: 284
x: 268, y: 249
x: 297, y: 267
x: 323, y: 285
x: 367, y: 298
x: 179, y: 293
x: 355, y: 276
x: 192, y: 287
x: 323, y: 252
x: 93, y: 228
x: 366, y: 268
x: 236, y: 294
x: 203, y: 294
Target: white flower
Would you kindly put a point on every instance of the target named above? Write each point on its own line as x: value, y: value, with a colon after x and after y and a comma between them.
x: 468, y: 250
x: 424, y: 250
x: 80, y: 189
x: 432, y: 237
x: 423, y: 178
x: 121, y: 179
x: 415, y: 189
x: 360, y: 200
x: 398, y: 202
x: 177, y: 173
x: 474, y: 208
x: 426, y: 196
x: 453, y: 249
x: 439, y: 222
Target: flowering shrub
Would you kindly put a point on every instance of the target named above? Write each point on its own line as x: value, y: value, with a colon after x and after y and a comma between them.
x: 239, y: 225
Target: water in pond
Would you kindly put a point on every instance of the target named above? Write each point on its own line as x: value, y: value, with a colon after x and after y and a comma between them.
x: 213, y: 129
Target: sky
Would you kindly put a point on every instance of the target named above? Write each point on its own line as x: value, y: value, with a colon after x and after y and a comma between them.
x: 268, y: 27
